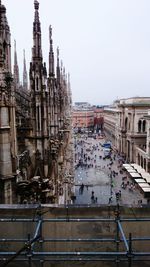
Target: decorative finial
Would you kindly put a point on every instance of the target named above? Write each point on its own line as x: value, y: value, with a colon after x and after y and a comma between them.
x: 57, y: 55
x: 64, y: 71
x: 61, y: 64
x: 68, y: 77
x: 0, y: 14
x: 58, y: 52
x: 24, y: 55
x: 15, y: 45
x: 36, y: 4
x: 50, y: 33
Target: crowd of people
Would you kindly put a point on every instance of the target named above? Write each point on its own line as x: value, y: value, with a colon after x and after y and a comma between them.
x: 89, y: 154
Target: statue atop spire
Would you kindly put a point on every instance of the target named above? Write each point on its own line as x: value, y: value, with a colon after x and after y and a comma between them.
x: 51, y: 54
x: 25, y: 76
x: 50, y: 34
x: 15, y: 53
x: 36, y: 4
x: 5, y: 60
x: 0, y: 14
x: 37, y: 47
x: 36, y: 7
x: 57, y: 56
x: 16, y: 68
x: 15, y: 45
x: 58, y: 67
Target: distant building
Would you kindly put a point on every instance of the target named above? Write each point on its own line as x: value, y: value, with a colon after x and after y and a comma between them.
x: 98, y: 119
x: 127, y: 125
x: 87, y: 117
x: 83, y: 119
x: 81, y: 105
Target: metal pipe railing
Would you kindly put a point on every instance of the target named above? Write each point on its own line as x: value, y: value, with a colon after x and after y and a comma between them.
x: 75, y: 253
x: 75, y: 259
x: 75, y: 220
x: 123, y: 235
x: 75, y: 239
x: 27, y: 251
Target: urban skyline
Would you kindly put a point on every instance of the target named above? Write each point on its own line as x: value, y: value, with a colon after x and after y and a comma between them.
x: 105, y: 46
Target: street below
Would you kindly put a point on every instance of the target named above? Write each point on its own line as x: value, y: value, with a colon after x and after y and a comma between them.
x: 99, y: 178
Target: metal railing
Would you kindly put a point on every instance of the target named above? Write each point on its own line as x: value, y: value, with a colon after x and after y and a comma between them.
x: 29, y: 253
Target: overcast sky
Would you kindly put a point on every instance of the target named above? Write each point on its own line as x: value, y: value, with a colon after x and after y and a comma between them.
x: 104, y: 44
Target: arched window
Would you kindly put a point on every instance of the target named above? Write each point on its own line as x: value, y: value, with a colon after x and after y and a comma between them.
x: 139, y: 126
x: 141, y: 161
x: 126, y: 123
x: 37, y: 83
x: 129, y: 126
x: 144, y: 126
x: 138, y: 159
x: 144, y: 164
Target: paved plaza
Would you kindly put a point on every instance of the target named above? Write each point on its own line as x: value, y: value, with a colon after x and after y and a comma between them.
x: 98, y: 180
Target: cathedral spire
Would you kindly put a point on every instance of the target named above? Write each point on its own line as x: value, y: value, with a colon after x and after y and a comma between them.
x: 0, y: 13
x: 58, y: 67
x: 37, y: 47
x: 25, y: 76
x: 5, y: 50
x: 69, y: 89
x: 1, y: 45
x: 16, y: 68
x: 51, y: 54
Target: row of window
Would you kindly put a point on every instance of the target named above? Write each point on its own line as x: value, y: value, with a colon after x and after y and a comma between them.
x: 141, y: 125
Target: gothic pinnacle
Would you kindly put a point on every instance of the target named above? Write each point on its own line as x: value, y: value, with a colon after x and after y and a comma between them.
x: 15, y: 45
x: 36, y: 4
x: 25, y: 75
x: 37, y: 49
x: 57, y: 56
x: 50, y: 33
x: 51, y: 53
x: 0, y: 14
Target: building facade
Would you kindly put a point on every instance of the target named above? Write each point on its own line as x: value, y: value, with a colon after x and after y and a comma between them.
x: 87, y: 117
x: 126, y: 124
x: 36, y: 154
x: 98, y: 119
x: 83, y: 119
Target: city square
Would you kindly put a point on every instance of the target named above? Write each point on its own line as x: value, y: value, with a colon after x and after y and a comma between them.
x: 97, y: 178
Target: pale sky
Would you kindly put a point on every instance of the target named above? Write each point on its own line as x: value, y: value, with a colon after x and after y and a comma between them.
x: 104, y: 44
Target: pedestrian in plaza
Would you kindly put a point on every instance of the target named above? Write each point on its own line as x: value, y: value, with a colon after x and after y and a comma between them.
x: 148, y: 201
x: 110, y: 200
x: 92, y: 198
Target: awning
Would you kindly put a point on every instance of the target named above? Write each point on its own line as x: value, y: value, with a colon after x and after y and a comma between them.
x: 134, y: 165
x: 143, y: 185
x: 139, y: 180
x: 135, y: 175
x: 147, y: 179
x: 128, y: 168
x: 140, y: 169
x: 131, y: 170
x: 126, y: 165
x: 146, y: 175
x: 146, y: 189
